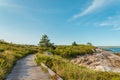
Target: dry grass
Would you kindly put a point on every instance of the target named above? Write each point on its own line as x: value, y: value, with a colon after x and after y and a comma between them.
x: 70, y: 71
x: 9, y: 54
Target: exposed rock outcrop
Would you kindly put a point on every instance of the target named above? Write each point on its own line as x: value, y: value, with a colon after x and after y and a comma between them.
x: 100, y: 60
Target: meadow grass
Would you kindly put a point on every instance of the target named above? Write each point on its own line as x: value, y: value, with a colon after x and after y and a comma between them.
x: 71, y: 71
x: 72, y: 51
x: 9, y: 54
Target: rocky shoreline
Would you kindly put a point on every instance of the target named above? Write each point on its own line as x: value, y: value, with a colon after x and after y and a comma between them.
x: 100, y: 60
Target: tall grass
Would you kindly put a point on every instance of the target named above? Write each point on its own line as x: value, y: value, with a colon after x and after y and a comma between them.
x: 9, y: 54
x: 72, y: 51
x: 70, y: 71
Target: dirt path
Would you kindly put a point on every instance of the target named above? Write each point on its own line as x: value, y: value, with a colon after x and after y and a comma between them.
x: 26, y: 69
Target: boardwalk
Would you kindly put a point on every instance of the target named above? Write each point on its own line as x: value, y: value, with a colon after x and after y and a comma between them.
x: 26, y: 69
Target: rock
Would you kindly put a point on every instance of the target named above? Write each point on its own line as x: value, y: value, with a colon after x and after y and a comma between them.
x: 101, y: 60
x: 48, y: 53
x: 100, y: 68
x: 89, y: 62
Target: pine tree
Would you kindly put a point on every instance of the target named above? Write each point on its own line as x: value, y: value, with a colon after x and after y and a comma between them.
x: 74, y: 44
x: 45, y: 42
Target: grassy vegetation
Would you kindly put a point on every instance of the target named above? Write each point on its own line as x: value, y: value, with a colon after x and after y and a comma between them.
x: 72, y: 51
x: 10, y: 53
x: 58, y: 62
x: 70, y: 71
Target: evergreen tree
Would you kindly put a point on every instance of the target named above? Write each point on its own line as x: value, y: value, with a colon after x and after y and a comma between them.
x: 74, y: 44
x: 45, y: 42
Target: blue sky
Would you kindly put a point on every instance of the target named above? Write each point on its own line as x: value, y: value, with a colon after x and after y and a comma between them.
x: 64, y: 21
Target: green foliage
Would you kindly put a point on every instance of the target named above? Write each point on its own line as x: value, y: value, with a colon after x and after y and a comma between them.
x: 74, y: 44
x: 90, y: 44
x: 45, y: 43
x: 70, y: 71
x: 10, y: 53
x: 73, y: 51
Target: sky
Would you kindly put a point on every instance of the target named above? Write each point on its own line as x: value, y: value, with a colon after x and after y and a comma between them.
x: 64, y: 21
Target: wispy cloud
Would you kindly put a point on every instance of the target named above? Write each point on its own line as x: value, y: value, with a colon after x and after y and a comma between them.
x: 26, y: 11
x: 9, y: 4
x: 113, y: 22
x: 96, y: 5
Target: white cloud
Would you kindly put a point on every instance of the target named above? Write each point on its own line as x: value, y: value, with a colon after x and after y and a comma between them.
x: 96, y: 5
x: 113, y: 22
x: 9, y: 4
x: 117, y: 29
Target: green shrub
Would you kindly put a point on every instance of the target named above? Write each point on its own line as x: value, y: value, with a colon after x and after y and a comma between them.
x: 72, y: 51
x: 1, y: 50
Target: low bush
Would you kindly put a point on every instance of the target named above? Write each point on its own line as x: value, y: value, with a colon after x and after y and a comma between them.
x: 72, y: 51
